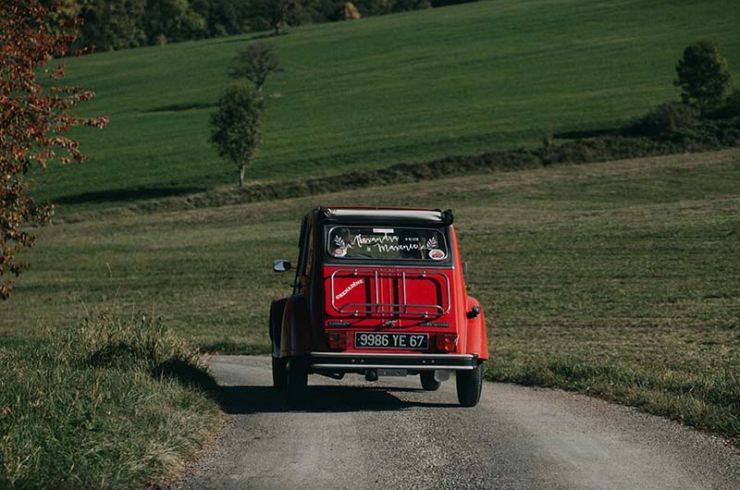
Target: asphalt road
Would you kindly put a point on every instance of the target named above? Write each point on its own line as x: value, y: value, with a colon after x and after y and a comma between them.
x: 391, y: 434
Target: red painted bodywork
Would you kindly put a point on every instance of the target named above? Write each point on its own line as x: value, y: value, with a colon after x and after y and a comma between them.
x: 334, y: 301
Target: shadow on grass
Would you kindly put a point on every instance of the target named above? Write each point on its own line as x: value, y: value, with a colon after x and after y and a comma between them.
x: 182, y: 107
x: 189, y: 375
x: 266, y: 399
x: 123, y: 195
x: 247, y: 40
x: 588, y: 133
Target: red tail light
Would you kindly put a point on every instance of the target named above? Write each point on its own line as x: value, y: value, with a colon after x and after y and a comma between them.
x: 337, y: 341
x: 446, y: 342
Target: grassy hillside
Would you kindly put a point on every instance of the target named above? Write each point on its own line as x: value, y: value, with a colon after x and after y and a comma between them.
x: 407, y: 87
x: 619, y: 279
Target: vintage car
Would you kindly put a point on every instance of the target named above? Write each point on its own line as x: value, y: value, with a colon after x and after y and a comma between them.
x: 378, y: 292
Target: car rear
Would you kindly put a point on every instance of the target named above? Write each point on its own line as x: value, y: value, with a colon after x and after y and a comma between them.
x: 392, y: 299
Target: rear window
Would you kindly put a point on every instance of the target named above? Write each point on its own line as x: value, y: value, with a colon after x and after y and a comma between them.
x: 387, y: 243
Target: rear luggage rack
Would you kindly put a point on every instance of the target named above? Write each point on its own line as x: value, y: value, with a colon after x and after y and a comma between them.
x: 392, y: 309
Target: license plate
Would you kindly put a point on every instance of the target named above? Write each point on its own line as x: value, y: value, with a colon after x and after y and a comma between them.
x: 392, y: 340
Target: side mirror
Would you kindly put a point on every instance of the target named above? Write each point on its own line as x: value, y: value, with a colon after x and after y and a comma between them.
x: 280, y: 265
x: 465, y: 267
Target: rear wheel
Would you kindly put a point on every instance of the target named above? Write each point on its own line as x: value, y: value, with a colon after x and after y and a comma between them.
x: 428, y: 381
x: 469, y: 385
x: 279, y: 373
x: 297, y: 381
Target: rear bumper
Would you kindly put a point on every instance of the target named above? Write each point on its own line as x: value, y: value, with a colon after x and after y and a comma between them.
x: 343, y: 361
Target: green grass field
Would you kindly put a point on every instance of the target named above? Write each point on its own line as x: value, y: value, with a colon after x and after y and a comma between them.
x: 407, y: 87
x: 620, y: 279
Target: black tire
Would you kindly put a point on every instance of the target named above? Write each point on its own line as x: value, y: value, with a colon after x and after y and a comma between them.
x: 428, y: 382
x: 297, y: 381
x: 279, y: 373
x: 469, y: 386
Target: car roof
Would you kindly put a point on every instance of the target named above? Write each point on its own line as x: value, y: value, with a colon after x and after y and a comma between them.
x: 383, y: 215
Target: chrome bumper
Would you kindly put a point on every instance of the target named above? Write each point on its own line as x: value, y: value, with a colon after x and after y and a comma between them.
x: 349, y: 361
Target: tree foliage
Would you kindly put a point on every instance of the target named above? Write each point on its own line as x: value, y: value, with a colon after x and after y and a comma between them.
x: 34, y: 117
x: 223, y: 17
x: 255, y: 63
x: 119, y: 24
x: 172, y: 20
x: 350, y: 12
x: 703, y: 76
x: 669, y: 121
x: 274, y: 14
x: 237, y: 125
x: 112, y: 24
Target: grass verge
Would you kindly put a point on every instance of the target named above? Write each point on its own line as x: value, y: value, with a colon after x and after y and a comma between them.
x: 109, y: 404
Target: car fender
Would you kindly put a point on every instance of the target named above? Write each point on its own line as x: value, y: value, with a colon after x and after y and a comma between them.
x: 295, y: 334
x: 477, y: 337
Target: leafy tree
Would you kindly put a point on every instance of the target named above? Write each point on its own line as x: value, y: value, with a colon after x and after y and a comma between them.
x: 237, y: 125
x: 228, y: 16
x: 274, y: 14
x: 172, y: 20
x: 374, y: 7
x: 406, y: 5
x: 350, y: 12
x: 34, y: 118
x: 255, y: 63
x: 113, y: 24
x: 224, y: 17
x: 703, y: 76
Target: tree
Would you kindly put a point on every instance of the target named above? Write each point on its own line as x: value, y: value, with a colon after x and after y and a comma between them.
x: 172, y: 20
x: 702, y: 76
x: 350, y: 12
x: 406, y: 5
x: 237, y: 125
x: 255, y: 63
x: 274, y: 14
x: 112, y: 24
x: 33, y: 117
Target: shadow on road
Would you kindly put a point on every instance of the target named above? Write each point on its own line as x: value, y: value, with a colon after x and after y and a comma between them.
x: 266, y: 399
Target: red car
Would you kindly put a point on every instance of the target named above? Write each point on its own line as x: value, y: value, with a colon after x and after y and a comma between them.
x: 378, y: 292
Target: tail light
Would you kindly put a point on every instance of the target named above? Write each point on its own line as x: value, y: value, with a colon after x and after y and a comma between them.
x: 337, y: 341
x: 446, y: 342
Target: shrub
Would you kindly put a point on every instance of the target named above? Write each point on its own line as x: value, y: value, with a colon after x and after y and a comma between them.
x: 731, y: 106
x: 111, y: 342
x: 672, y: 120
